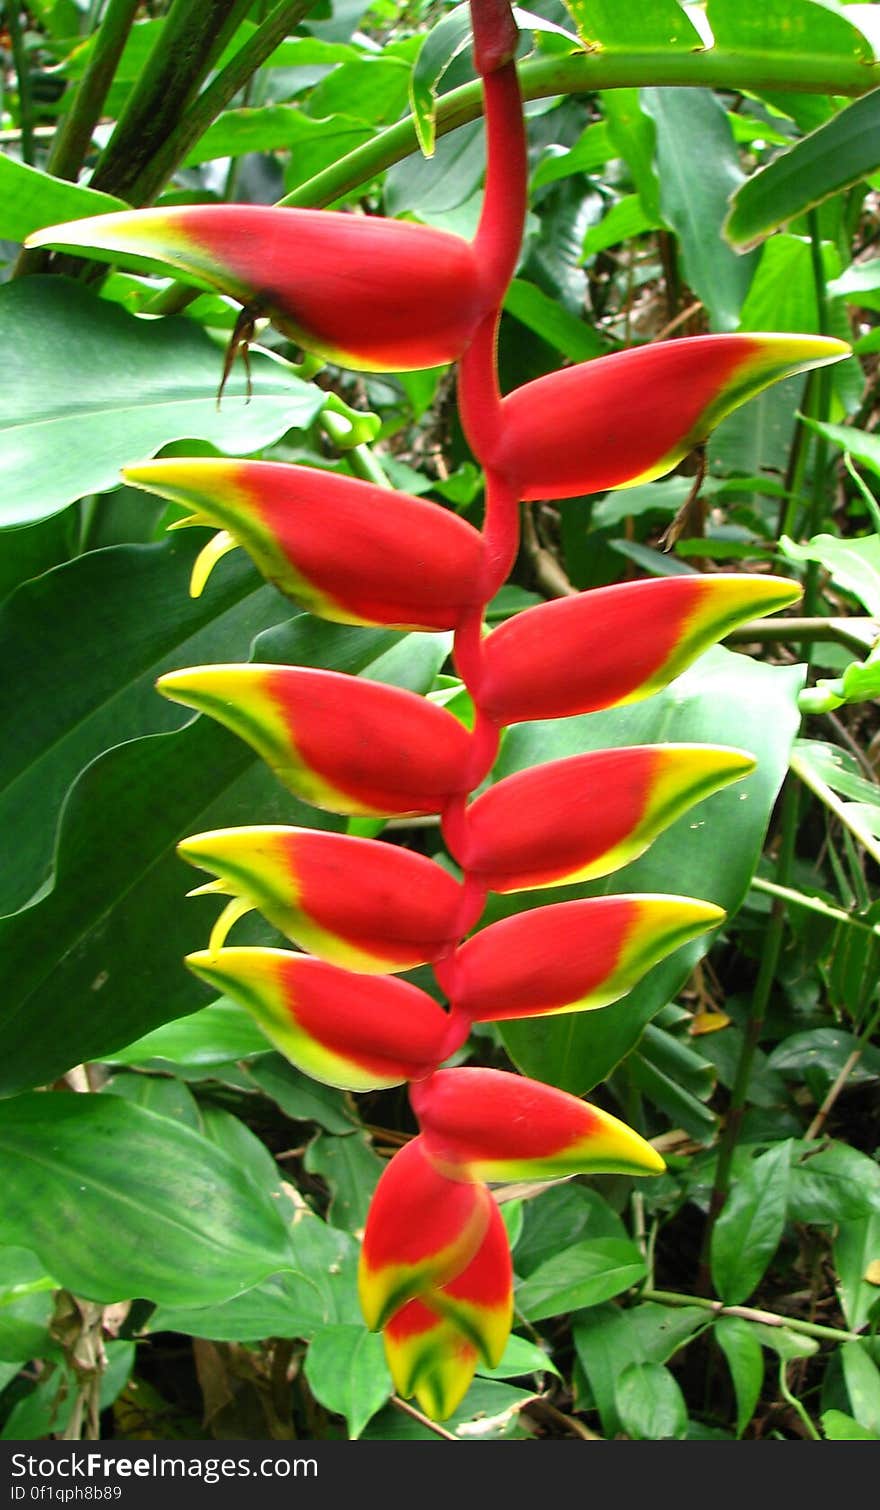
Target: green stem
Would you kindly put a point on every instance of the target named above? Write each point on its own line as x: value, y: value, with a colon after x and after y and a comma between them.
x: 25, y: 99
x: 760, y: 999
x: 843, y: 631
x: 191, y: 38
x: 821, y: 409
x: 811, y: 904
x: 749, y: 1313
x: 74, y: 135
x: 794, y: 1402
x: 868, y: 497
x: 208, y: 105
x: 581, y: 73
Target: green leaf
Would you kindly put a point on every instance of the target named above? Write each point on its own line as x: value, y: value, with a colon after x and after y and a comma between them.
x: 833, y: 1184
x: 747, y: 1233
x: 95, y: 960
x: 26, y: 1306
x: 695, y: 186
x: 856, y: 1248
x: 800, y: 30
x: 164, y: 1097
x: 711, y: 853
x: 559, y: 1216
x: 299, y: 1097
x: 213, y: 1036
x: 631, y: 132
x: 186, y: 1223
x: 521, y: 1357
x: 351, y: 1169
x: 31, y: 199
x: 444, y: 42
x: 607, y: 1339
x: 321, y: 1290
x: 347, y: 1374
x: 138, y: 385
x: 593, y: 148
x: 415, y: 186
x: 650, y: 1403
x: 854, y: 564
x: 830, y: 159
x: 839, y: 1427
x: 73, y: 695
x: 626, y: 218
x: 657, y: 26
x: 862, y: 1379
x: 315, y: 145
x: 552, y: 322
x: 745, y: 1360
x: 827, y: 1049
x: 583, y: 1274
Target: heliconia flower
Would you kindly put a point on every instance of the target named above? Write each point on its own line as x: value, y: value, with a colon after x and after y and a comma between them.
x: 615, y: 644
x: 587, y: 815
x: 338, y: 741
x: 423, y: 1229
x: 632, y: 416
x: 433, y: 1344
x: 498, y: 1126
x: 366, y: 905
x: 369, y: 293
x: 346, y: 550
x: 571, y: 956
x: 356, y: 1032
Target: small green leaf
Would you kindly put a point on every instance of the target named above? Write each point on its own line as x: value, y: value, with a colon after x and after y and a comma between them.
x: 444, y: 42
x: 747, y: 1233
x: 347, y: 1373
x: 745, y: 1360
x: 520, y: 1357
x: 213, y: 1036
x: 299, y: 1097
x: 862, y: 1379
x: 650, y: 1403
x: 625, y: 218
x: 856, y: 1248
x: 582, y: 1275
x: 607, y: 1339
x: 351, y: 1169
x: 552, y: 322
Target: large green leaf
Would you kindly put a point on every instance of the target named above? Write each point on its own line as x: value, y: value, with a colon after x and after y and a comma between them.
x: 650, y: 1403
x: 322, y: 1291
x: 83, y: 645
x: 182, y: 1221
x: 87, y: 387
x: 698, y: 168
x: 833, y: 157
x: 94, y: 962
x: 607, y: 1339
x: 745, y: 1360
x: 710, y: 853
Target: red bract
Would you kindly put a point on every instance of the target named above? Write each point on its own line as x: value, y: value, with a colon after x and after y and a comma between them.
x: 354, y: 902
x: 339, y: 742
x: 574, y: 819
x: 615, y: 644
x: 291, y: 521
x: 357, y: 1032
x: 634, y: 415
x: 489, y: 1125
x: 378, y: 295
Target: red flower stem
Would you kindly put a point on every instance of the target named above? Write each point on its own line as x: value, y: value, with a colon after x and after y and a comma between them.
x: 496, y: 34
x: 500, y: 532
x: 499, y: 233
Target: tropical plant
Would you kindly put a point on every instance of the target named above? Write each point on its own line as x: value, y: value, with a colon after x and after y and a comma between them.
x: 334, y: 702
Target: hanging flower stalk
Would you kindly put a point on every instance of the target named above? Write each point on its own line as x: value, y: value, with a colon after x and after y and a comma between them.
x: 436, y: 1273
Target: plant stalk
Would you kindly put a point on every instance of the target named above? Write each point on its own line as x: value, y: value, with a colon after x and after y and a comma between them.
x: 25, y: 98
x: 74, y: 135
x: 750, y: 1313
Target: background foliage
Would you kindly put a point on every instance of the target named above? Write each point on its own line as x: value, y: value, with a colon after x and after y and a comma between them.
x: 693, y: 168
